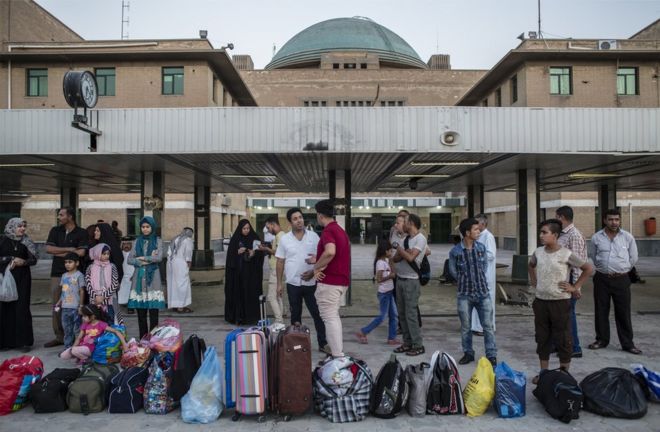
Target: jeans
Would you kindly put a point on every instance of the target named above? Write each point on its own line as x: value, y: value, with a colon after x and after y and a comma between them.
x: 55, y: 294
x: 484, y: 308
x: 576, y: 340
x: 328, y: 297
x: 296, y: 296
x: 71, y: 325
x: 407, y: 301
x: 387, y: 307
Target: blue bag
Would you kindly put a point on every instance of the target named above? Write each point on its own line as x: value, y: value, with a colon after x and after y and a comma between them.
x: 509, y: 391
x: 651, y: 378
x: 108, y: 347
x: 203, y: 402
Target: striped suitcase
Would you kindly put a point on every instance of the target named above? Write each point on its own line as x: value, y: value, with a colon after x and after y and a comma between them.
x: 230, y: 367
x: 251, y: 373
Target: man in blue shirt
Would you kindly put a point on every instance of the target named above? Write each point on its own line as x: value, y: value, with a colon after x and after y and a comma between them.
x: 467, y: 264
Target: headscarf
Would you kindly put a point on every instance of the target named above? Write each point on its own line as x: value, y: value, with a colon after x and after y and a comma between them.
x: 100, y: 267
x: 152, y: 245
x: 237, y: 238
x: 107, y: 237
x: 176, y: 241
x: 10, y: 232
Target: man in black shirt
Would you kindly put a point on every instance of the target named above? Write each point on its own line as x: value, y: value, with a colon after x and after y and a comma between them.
x: 65, y: 238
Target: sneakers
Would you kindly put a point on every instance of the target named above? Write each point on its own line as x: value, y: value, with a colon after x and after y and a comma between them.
x: 467, y: 358
x: 53, y: 343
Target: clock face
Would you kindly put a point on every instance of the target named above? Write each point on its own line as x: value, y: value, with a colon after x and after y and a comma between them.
x: 88, y: 89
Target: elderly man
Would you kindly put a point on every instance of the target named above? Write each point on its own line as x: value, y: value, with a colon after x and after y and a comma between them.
x: 487, y: 239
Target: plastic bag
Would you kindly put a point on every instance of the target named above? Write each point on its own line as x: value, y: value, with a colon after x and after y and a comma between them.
x: 509, y: 391
x: 8, y: 291
x: 480, y: 390
x: 203, y: 402
x: 108, y: 347
x: 167, y: 337
x: 651, y: 378
x: 136, y: 354
x: 614, y: 392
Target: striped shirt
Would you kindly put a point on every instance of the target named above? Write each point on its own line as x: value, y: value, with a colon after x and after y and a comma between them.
x: 571, y: 238
x: 468, y: 267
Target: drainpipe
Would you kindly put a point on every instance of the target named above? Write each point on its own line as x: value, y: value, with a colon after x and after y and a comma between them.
x: 9, y: 80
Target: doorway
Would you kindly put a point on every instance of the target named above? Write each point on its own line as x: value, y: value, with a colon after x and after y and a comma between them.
x: 440, y: 228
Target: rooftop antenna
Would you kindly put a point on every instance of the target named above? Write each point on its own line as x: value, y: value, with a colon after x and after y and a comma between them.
x: 274, y: 49
x: 125, y: 6
x: 539, y: 9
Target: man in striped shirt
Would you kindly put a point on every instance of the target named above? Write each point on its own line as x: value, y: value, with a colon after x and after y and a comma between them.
x: 572, y: 239
x: 467, y: 264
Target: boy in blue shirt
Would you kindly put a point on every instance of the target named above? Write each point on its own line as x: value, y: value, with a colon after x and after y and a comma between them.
x: 73, y: 294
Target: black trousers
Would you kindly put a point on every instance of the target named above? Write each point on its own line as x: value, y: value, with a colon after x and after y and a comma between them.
x: 142, y: 320
x: 618, y: 290
x: 296, y: 296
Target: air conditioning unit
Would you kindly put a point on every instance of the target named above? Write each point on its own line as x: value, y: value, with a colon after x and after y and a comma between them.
x: 607, y: 44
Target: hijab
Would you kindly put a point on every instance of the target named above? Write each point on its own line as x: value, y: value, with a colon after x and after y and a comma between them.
x: 10, y: 232
x: 107, y: 237
x: 99, y: 267
x: 152, y: 245
x: 238, y: 238
x: 176, y: 241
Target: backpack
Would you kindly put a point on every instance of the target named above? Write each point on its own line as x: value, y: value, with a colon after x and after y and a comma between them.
x: 445, y: 395
x: 559, y: 393
x: 614, y: 392
x: 418, y: 377
x: 127, y: 391
x: 48, y: 395
x: 89, y: 393
x: 424, y: 270
x: 187, y: 365
x: 16, y: 377
x: 157, y: 398
x: 390, y: 391
x: 345, y: 403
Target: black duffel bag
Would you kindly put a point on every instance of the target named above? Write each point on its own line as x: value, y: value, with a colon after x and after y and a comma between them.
x: 48, y: 395
x: 614, y: 392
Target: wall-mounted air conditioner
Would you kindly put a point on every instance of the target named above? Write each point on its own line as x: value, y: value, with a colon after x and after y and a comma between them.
x: 608, y: 44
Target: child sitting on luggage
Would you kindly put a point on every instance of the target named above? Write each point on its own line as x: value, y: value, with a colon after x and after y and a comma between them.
x: 385, y: 277
x: 73, y: 295
x: 549, y: 271
x: 93, y: 326
x: 102, y: 279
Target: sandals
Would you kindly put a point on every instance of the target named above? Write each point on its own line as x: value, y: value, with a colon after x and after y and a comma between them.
x: 184, y: 310
x: 362, y: 338
x: 416, y: 351
x: 402, y: 349
x: 597, y: 345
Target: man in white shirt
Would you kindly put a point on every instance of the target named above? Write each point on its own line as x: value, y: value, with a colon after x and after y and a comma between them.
x: 293, y: 255
x: 487, y: 239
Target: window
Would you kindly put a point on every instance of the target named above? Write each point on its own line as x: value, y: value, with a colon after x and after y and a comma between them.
x: 498, y: 97
x: 335, y: 65
x: 133, y: 217
x: 560, y: 81
x: 626, y: 81
x: 37, y: 82
x: 315, y: 103
x: 392, y: 103
x: 105, y: 79
x: 359, y: 103
x: 173, y: 80
x: 514, y: 89
x: 363, y: 65
x: 349, y: 65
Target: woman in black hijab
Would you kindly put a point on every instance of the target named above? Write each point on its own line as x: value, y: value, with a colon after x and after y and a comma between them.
x: 243, y: 277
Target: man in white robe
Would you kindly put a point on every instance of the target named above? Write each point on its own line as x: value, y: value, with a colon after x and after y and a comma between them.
x: 180, y: 251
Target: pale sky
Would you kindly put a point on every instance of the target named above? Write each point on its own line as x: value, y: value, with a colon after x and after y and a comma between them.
x: 475, y: 33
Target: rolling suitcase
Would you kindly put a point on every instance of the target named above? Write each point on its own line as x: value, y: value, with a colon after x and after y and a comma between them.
x: 291, y: 359
x: 230, y: 367
x: 251, y: 377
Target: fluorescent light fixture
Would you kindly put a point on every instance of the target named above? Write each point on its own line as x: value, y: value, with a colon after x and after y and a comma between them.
x: 271, y: 190
x: 458, y: 163
x: 120, y: 184
x: 592, y: 175
x: 25, y: 165
x: 247, y: 175
x: 422, y: 175
x: 263, y: 184
x: 510, y: 189
x: 26, y: 191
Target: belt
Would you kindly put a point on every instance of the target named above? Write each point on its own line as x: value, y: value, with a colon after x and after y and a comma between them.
x: 613, y: 275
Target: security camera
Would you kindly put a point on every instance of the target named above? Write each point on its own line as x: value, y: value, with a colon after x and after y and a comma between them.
x: 412, y: 184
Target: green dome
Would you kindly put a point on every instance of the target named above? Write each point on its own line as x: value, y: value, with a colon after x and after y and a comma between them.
x: 345, y: 34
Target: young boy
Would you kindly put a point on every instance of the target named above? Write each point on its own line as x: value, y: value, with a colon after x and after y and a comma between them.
x: 73, y: 295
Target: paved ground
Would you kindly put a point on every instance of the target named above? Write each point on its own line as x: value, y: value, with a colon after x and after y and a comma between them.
x: 515, y: 340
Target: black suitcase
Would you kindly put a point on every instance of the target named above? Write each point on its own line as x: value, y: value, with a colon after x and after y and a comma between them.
x: 48, y: 395
x: 127, y: 391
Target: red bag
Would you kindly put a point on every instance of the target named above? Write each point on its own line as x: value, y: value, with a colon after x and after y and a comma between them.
x: 16, y: 377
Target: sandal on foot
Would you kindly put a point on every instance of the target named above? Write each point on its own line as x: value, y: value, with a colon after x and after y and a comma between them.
x: 535, y: 380
x: 402, y: 349
x: 362, y: 338
x: 416, y: 351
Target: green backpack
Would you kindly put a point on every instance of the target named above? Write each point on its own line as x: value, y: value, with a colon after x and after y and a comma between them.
x: 89, y: 393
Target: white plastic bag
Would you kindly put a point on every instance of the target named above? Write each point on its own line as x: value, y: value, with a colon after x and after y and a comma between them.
x: 203, y: 402
x: 8, y: 291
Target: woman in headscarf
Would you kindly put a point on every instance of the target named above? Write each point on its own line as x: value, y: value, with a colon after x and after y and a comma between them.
x: 103, y: 233
x: 243, y: 276
x: 18, y: 253
x: 147, y: 295
x: 179, y: 255
x: 101, y: 278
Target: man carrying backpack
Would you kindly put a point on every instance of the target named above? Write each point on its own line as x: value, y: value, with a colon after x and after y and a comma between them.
x: 467, y: 264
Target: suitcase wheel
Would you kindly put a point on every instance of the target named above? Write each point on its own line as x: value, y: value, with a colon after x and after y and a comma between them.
x: 287, y: 417
x: 235, y: 417
x: 261, y: 419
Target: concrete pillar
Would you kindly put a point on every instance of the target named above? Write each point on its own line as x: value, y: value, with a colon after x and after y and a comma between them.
x: 203, y: 254
x: 606, y: 201
x: 69, y: 198
x: 339, y: 182
x: 475, y: 199
x: 528, y: 202
x: 152, y: 197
